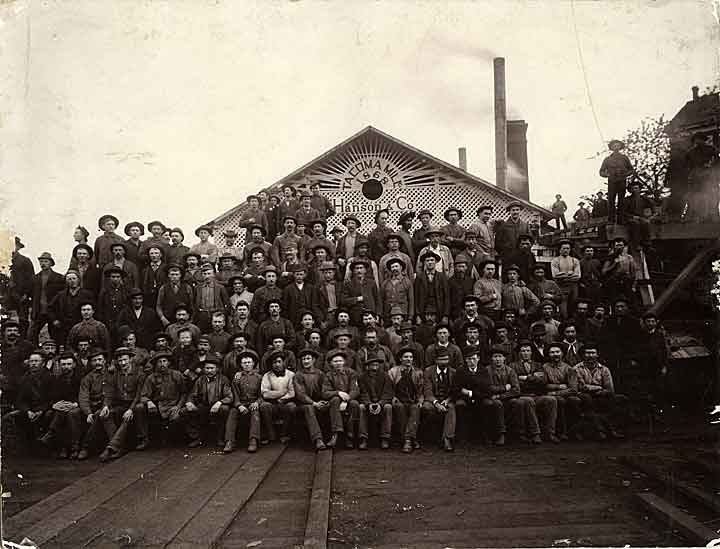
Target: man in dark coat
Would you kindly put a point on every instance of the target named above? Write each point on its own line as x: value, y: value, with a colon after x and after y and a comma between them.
x: 299, y: 296
x: 431, y: 289
x: 64, y: 310
x: 46, y: 285
x: 616, y: 168
x: 142, y: 320
x: 523, y: 258
x: 15, y: 350
x: 21, y: 284
x: 508, y: 233
x: 376, y: 395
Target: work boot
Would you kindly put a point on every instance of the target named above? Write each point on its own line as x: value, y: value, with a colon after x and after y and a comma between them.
x: 142, y: 445
x: 349, y: 442
x: 252, y: 446
x: 416, y: 444
x: 333, y: 441
x: 105, y: 456
x: 384, y: 443
x: 74, y: 453
x: 553, y: 439
x: 523, y: 438
x: 229, y: 447
x: 536, y: 439
x: 448, y: 445
x: 500, y: 441
x: 320, y: 445
x: 284, y: 439
x: 46, y: 439
x: 407, y: 446
x: 615, y: 434
x: 263, y: 442
x: 83, y: 455
x: 195, y: 443
x: 363, y: 445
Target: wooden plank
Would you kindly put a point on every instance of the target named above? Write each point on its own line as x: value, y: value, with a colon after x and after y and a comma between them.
x: 151, y: 507
x: 693, y: 530
x: 210, y: 522
x: 319, y: 512
x: 686, y: 275
x: 50, y: 516
x: 709, y: 500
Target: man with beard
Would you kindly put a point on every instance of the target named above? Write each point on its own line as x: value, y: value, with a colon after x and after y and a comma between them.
x: 345, y: 249
x: 171, y: 294
x: 113, y: 297
x: 308, y: 384
x: 209, y: 402
x: 454, y: 233
x: 300, y: 296
x: 561, y: 382
x: 397, y: 290
x: 123, y: 390
x: 64, y: 309
x: 360, y: 292
x: 460, y: 284
x: 154, y: 275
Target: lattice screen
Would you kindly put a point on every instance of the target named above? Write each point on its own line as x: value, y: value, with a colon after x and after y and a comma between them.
x: 405, y: 179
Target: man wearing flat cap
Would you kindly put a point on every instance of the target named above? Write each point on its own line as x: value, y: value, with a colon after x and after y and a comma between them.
x: 176, y: 251
x: 507, y: 233
x: 45, y: 286
x: 108, y: 224
x: 616, y: 168
x: 253, y: 214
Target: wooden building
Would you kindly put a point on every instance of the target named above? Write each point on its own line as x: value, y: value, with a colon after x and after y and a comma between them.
x: 372, y: 170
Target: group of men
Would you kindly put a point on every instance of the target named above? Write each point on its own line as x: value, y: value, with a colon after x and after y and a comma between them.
x: 149, y: 338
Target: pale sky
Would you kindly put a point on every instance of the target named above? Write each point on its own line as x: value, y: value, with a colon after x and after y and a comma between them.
x: 177, y: 110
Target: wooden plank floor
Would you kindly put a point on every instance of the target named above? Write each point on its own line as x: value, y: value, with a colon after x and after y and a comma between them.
x: 486, y: 497
x: 276, y: 514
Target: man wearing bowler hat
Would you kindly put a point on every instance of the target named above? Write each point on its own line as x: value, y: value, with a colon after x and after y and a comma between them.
x: 45, y: 286
x: 207, y: 251
x: 134, y: 230
x: 156, y: 239
x: 454, y: 233
x: 616, y: 168
x: 107, y: 223
x: 439, y: 401
x: 253, y: 215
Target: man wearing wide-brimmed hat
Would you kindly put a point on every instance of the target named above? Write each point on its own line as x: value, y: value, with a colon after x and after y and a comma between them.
x: 45, y: 286
x: 107, y: 223
x: 253, y: 215
x: 134, y: 230
x: 616, y: 168
x: 453, y: 231
x: 64, y: 309
x: 397, y: 290
x: 377, y: 237
x: 393, y: 242
x: 318, y: 227
x: 208, y: 252
x: 255, y: 238
x: 229, y: 248
x: 419, y: 237
x: 446, y: 263
x: 156, y: 228
x: 361, y: 291
x: 404, y: 225
x: 431, y: 288
x: 485, y: 236
x: 320, y: 202
x: 21, y: 283
x: 507, y: 233
x: 346, y: 244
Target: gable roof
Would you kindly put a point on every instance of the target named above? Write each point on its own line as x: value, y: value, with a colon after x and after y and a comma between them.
x: 427, y: 158
x: 697, y: 114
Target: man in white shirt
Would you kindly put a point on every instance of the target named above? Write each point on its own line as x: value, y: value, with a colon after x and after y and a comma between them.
x: 277, y: 390
x: 566, y: 272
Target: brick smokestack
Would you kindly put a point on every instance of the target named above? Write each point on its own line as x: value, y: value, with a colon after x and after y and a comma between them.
x: 518, y: 182
x: 500, y: 123
x: 462, y: 158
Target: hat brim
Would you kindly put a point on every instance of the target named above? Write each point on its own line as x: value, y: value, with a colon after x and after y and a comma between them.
x: 104, y: 218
